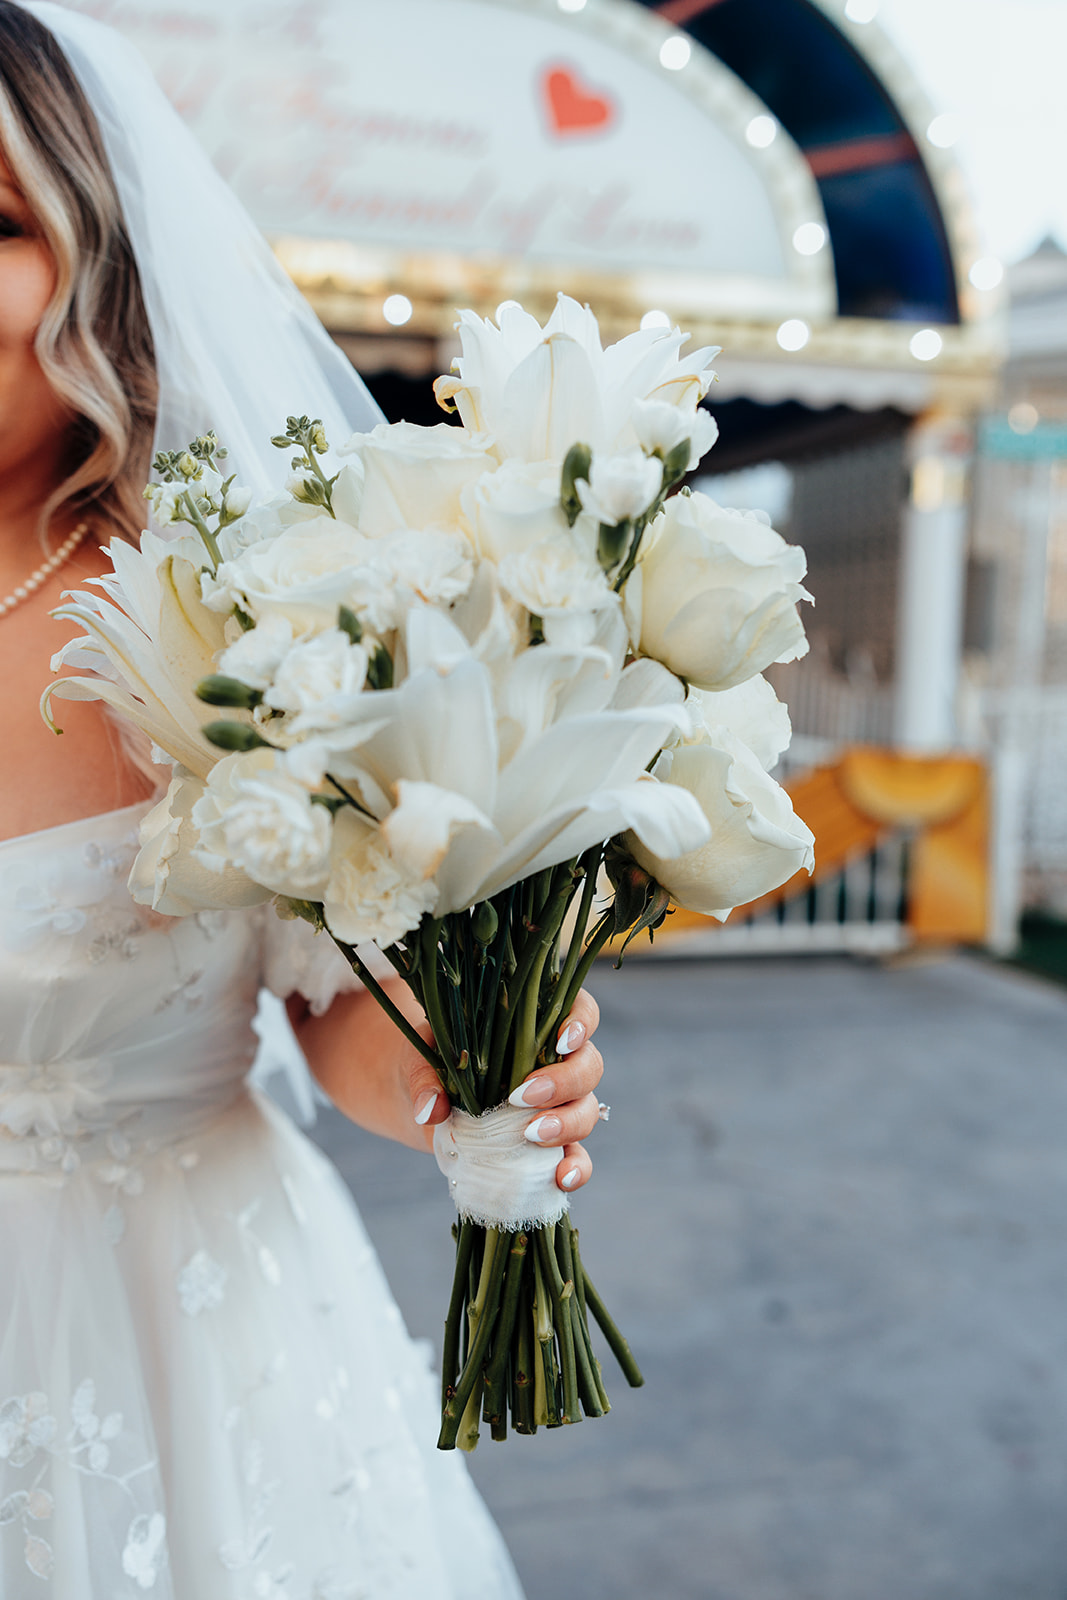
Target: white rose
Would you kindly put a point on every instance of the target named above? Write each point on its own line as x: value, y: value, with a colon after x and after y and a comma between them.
x: 255, y: 816
x: 168, y: 876
x: 660, y: 426
x: 413, y: 476
x: 369, y: 897
x: 304, y: 573
x: 716, y: 591
x: 757, y: 841
x: 621, y: 488
x: 346, y: 496
x: 752, y: 712
x: 256, y: 655
x: 514, y: 507
x: 317, y: 681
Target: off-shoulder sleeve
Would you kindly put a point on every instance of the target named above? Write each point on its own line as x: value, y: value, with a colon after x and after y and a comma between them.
x: 297, y: 960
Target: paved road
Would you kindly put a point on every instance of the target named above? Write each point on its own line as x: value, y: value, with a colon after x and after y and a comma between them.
x: 831, y: 1213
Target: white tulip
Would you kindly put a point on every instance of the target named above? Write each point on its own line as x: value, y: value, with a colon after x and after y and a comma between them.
x: 537, y: 392
x: 660, y: 426
x: 620, y: 488
x: 369, y: 895
x: 317, y: 681
x: 514, y: 507
x: 255, y: 816
x: 714, y: 594
x: 757, y: 841
x: 167, y: 873
x: 413, y: 476
x: 752, y: 712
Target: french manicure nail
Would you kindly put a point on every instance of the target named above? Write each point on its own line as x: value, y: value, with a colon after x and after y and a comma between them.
x: 570, y: 1039
x: 543, y: 1130
x: 536, y: 1091
x: 569, y: 1179
x: 425, y: 1108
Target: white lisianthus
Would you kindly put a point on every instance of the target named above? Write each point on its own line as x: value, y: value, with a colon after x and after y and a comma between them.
x: 660, y: 426
x: 538, y: 391
x: 752, y: 712
x: 757, y: 841
x: 255, y: 816
x: 514, y: 507
x: 317, y: 681
x: 255, y: 656
x: 303, y: 573
x: 714, y: 594
x: 369, y: 896
x: 413, y: 477
x: 620, y: 488
x: 168, y: 876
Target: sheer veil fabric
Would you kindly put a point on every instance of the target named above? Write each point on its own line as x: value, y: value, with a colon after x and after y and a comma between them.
x: 206, y: 1389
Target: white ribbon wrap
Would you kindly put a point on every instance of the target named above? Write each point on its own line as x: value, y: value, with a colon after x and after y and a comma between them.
x: 497, y: 1176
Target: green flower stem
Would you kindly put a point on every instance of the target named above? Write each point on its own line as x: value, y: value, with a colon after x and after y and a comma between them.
x: 619, y: 1348
x: 546, y: 1375
x: 524, y: 1058
x: 481, y: 1316
x: 453, y: 1321
x: 411, y: 1034
x: 590, y: 1384
x: 596, y: 942
x: 561, y: 1294
x: 496, y: 1371
x: 592, y: 862
x: 523, y: 1375
x: 209, y: 540
x: 470, y: 1422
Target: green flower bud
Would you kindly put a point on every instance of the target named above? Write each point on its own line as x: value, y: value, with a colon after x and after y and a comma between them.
x: 218, y: 690
x: 232, y: 736
x: 485, y: 922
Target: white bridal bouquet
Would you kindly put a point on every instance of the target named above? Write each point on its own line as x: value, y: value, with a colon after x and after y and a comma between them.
x: 455, y: 679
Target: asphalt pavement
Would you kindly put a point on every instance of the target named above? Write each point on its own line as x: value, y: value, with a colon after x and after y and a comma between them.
x: 830, y: 1213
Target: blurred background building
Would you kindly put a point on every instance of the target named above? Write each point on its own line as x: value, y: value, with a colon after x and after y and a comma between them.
x: 772, y: 177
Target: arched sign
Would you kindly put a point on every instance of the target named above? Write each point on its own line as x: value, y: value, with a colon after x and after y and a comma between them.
x: 495, y: 130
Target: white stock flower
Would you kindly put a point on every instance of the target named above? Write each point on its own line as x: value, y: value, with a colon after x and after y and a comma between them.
x: 537, y: 392
x: 620, y: 488
x: 237, y: 500
x: 714, y: 594
x: 514, y: 507
x: 255, y: 656
x: 757, y: 841
x: 660, y: 426
x: 413, y: 476
x: 317, y: 681
x: 255, y: 816
x: 751, y: 711
x: 369, y: 895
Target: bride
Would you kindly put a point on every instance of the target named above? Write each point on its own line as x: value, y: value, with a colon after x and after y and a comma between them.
x: 206, y: 1391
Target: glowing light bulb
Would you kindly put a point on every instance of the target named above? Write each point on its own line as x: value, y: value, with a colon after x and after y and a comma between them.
x: 571, y: 5
x: 986, y: 273
x: 861, y: 10
x: 944, y: 130
x: 761, y: 132
x: 1023, y: 417
x: 809, y: 238
x: 397, y: 310
x: 926, y: 344
x: 655, y: 319
x: 674, y: 52
x: 793, y: 334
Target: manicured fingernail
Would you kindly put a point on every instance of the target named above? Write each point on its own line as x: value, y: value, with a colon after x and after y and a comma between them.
x: 544, y: 1130
x: 536, y: 1091
x: 570, y: 1038
x: 425, y: 1109
x: 569, y: 1179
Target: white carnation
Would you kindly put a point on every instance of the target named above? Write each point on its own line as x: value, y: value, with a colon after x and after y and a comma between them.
x: 659, y: 427
x: 255, y: 816
x: 621, y: 488
x: 515, y: 507
x: 557, y: 573
x: 256, y: 655
x: 317, y: 681
x: 369, y: 897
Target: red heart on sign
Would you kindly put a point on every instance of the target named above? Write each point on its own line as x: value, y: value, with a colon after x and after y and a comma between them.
x: 572, y: 108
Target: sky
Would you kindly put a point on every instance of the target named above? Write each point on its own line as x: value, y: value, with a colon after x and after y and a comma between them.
x: 1001, y: 67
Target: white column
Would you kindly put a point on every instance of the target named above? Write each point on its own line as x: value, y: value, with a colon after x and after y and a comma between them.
x: 933, y: 565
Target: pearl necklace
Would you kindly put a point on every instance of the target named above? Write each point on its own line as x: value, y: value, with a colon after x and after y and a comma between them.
x: 29, y: 585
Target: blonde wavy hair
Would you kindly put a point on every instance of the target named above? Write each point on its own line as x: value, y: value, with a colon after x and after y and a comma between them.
x: 94, y: 343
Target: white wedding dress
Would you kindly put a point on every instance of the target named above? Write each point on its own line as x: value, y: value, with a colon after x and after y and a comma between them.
x: 206, y: 1390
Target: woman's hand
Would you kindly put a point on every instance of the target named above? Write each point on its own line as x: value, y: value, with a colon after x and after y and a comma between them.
x: 564, y: 1109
